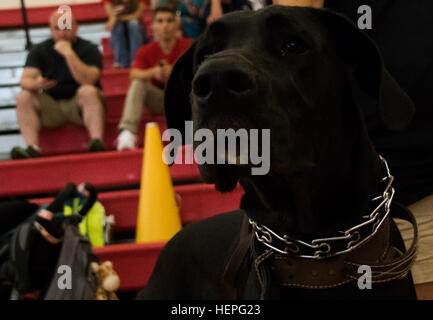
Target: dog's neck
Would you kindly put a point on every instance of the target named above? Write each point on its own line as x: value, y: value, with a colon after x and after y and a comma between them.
x: 322, y: 201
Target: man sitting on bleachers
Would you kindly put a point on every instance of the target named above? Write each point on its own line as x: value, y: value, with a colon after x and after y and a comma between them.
x: 60, y: 84
x: 150, y: 71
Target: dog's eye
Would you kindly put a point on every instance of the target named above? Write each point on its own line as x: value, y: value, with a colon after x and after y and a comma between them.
x: 293, y: 46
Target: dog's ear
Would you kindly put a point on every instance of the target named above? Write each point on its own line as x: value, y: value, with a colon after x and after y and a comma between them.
x: 177, y: 92
x: 374, y: 89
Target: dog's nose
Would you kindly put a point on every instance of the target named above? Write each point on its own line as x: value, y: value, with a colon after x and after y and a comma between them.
x: 222, y: 80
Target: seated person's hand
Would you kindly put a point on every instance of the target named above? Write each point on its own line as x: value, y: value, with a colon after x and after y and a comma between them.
x: 165, y: 70
x: 216, y: 12
x: 157, y: 73
x: 126, y: 17
x: 45, y: 83
x: 121, y: 16
x: 63, y: 47
x: 110, y: 24
x: 119, y: 9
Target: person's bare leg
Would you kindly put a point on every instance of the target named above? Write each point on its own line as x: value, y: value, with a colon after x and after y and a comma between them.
x: 92, y: 109
x: 28, y: 117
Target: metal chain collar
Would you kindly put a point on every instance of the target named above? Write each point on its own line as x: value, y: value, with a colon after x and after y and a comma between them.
x: 324, y: 246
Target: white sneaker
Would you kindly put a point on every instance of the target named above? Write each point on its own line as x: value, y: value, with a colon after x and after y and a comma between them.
x: 126, y: 140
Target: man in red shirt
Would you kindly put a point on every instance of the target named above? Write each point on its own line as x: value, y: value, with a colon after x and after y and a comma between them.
x: 149, y: 73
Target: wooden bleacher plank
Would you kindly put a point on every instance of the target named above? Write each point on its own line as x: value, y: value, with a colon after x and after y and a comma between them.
x: 102, y: 169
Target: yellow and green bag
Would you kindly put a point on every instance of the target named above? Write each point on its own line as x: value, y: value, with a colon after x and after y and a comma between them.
x: 93, y: 226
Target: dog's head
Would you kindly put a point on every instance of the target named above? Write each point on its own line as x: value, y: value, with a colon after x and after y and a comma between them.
x: 290, y: 70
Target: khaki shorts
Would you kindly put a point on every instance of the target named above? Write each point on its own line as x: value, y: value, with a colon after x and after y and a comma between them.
x: 422, y: 270
x: 56, y: 112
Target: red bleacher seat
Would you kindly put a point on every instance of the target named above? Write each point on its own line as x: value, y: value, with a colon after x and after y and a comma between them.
x: 199, y: 201
x: 106, y: 46
x: 114, y: 107
x: 114, y: 103
x: 39, y: 15
x: 147, y: 19
x: 108, y: 60
x: 72, y: 138
x: 102, y: 169
x: 134, y: 263
x: 115, y: 80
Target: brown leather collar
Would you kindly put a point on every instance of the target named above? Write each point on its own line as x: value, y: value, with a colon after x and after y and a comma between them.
x: 293, y: 271
x: 386, y: 262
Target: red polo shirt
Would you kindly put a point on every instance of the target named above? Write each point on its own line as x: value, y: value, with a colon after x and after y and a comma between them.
x: 150, y: 54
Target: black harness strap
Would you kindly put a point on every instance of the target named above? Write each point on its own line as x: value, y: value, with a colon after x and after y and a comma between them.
x: 233, y: 280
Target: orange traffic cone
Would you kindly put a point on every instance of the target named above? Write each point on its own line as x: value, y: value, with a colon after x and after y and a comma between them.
x: 158, y: 215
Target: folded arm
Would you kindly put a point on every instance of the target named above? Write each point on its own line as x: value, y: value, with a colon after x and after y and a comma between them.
x: 135, y: 15
x: 32, y: 80
x: 81, y: 72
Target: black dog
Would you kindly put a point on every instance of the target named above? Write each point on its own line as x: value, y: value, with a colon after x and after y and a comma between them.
x: 319, y: 85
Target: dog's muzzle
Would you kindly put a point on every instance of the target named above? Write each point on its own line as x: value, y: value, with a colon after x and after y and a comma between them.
x: 224, y: 78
